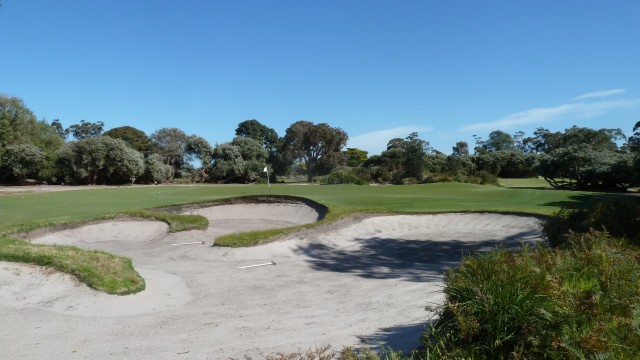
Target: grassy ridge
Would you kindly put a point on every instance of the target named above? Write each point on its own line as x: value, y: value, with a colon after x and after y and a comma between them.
x: 99, y: 270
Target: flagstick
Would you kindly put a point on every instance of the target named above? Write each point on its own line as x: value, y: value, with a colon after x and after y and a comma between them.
x: 266, y: 170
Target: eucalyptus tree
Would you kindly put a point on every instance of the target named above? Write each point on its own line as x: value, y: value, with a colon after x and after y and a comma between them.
x: 86, y: 129
x: 317, y: 145
x: 135, y: 138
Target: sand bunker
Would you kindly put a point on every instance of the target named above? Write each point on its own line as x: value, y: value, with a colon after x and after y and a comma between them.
x: 106, y: 231
x: 34, y: 287
x: 364, y: 282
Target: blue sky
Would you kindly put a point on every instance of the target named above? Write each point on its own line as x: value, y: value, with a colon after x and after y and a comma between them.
x: 377, y: 69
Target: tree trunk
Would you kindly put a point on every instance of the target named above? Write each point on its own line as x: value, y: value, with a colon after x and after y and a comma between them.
x: 310, y: 171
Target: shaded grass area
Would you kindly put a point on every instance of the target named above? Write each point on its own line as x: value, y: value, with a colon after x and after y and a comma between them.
x: 99, y: 270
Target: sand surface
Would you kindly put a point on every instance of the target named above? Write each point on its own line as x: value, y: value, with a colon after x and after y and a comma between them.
x: 360, y: 282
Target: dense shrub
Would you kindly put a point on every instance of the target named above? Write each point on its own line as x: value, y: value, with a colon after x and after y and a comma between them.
x: 484, y: 178
x: 240, y: 161
x: 479, y: 177
x: 345, y: 176
x: 155, y: 171
x: 577, y: 302
x: 618, y: 218
x: 99, y: 159
x: 19, y: 162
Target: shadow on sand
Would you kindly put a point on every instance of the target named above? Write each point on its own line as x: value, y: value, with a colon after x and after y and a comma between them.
x: 408, y: 260
x: 405, y: 338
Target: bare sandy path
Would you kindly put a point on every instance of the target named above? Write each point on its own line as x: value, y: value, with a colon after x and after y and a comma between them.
x: 364, y: 283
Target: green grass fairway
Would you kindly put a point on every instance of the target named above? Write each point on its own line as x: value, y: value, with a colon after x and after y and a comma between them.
x: 38, y: 209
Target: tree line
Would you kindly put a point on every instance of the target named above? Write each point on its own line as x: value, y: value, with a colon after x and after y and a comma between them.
x: 34, y: 151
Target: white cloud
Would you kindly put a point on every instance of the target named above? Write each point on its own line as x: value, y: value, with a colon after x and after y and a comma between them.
x: 542, y: 115
x: 376, y: 141
x: 599, y: 94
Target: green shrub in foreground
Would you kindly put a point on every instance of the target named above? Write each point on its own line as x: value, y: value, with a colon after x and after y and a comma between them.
x: 578, y: 302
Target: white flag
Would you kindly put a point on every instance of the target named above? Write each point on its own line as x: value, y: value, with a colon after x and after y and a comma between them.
x: 265, y: 169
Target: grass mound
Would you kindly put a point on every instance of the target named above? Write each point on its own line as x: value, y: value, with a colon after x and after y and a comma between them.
x: 99, y: 270
x: 581, y: 301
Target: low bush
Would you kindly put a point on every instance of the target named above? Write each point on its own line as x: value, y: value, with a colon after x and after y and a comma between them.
x: 485, y: 178
x: 325, y: 353
x: 437, y: 178
x: 582, y: 301
x: 344, y: 176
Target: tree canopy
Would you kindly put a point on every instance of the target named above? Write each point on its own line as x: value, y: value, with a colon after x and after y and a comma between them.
x: 240, y: 161
x: 585, y: 159
x: 86, y: 129
x: 318, y: 146
x: 135, y: 139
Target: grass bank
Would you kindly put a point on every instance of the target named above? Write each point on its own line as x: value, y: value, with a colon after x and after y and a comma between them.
x: 99, y: 270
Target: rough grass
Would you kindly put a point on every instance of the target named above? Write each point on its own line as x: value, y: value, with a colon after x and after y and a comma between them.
x: 99, y: 270
x: 573, y: 303
x: 325, y: 353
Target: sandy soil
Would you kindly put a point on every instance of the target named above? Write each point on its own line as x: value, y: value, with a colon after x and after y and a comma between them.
x: 361, y: 282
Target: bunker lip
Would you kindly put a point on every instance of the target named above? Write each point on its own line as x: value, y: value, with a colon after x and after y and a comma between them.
x: 251, y: 199
x: 347, y: 284
x: 321, y: 210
